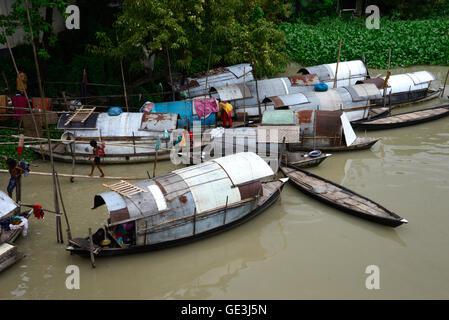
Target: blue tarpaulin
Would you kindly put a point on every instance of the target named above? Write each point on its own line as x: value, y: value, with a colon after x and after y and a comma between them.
x: 180, y: 107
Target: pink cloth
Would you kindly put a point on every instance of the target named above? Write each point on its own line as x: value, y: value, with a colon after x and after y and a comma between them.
x: 204, y: 107
x: 19, y: 102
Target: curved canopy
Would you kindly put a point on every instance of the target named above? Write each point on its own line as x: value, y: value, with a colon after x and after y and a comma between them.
x: 7, y: 205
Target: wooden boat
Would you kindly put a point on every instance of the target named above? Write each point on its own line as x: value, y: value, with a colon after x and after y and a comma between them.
x: 9, y: 254
x: 304, y: 159
x: 188, y: 204
x: 340, y: 197
x: 404, y: 119
x: 361, y: 143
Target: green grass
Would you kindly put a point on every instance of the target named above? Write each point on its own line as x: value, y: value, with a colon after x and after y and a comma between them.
x: 412, y: 42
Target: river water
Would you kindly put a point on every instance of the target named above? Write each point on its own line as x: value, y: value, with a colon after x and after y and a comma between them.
x: 297, y: 249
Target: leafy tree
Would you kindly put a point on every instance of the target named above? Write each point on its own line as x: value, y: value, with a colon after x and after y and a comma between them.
x: 41, y: 24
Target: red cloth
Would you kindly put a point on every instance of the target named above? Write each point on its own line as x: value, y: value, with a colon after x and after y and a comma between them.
x: 19, y: 150
x: 224, y: 118
x: 204, y: 107
x: 19, y: 102
x: 38, y: 211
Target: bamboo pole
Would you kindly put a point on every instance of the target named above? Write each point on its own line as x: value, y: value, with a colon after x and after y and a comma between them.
x: 69, y: 232
x: 444, y: 84
x: 124, y: 85
x: 49, y: 174
x: 91, y: 249
x: 169, y: 70
x: 225, y: 210
x: 389, y: 59
x: 155, y: 163
x: 338, y: 61
x: 58, y: 218
x: 25, y: 93
x: 208, y: 63
x: 244, y: 97
x: 73, y: 150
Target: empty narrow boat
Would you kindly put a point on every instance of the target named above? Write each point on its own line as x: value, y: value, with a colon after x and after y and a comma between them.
x: 182, y: 206
x: 340, y: 197
x: 305, y: 159
x: 404, y: 119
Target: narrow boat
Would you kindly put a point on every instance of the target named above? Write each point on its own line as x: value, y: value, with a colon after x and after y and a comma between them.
x: 9, y: 254
x: 340, y: 197
x: 182, y: 206
x: 305, y: 159
x: 361, y: 143
x: 404, y: 119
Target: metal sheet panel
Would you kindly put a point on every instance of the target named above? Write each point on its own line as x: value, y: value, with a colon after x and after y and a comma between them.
x: 244, y: 167
x: 330, y: 100
x: 276, y: 134
x: 420, y: 77
x: 278, y: 117
x: 328, y: 123
x: 350, y: 135
x: 240, y: 69
x: 7, y: 205
x: 159, y: 121
x: 232, y: 92
x: 364, y: 91
x: 210, y: 186
x: 304, y: 80
x: 288, y: 100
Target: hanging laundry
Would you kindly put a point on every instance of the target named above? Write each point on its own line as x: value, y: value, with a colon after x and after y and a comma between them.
x: 204, y: 107
x: 38, y: 211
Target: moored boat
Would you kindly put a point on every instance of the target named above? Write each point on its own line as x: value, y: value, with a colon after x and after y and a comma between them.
x: 9, y: 254
x: 182, y: 206
x: 340, y: 197
x: 404, y: 119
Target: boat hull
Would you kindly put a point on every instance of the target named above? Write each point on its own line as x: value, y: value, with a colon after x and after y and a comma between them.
x: 375, y: 125
x: 397, y: 221
x: 104, y: 252
x: 360, y: 144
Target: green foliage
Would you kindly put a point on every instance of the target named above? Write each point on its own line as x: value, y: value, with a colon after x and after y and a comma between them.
x: 233, y: 31
x: 412, y: 42
x: 10, y: 150
x: 18, y: 17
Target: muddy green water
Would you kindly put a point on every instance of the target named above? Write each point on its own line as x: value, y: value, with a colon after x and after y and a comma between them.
x: 297, y: 249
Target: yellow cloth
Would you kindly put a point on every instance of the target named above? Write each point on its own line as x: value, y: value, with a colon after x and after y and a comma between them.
x: 24, y: 78
x: 226, y: 107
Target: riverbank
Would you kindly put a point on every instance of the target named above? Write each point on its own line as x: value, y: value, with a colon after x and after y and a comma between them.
x: 412, y: 42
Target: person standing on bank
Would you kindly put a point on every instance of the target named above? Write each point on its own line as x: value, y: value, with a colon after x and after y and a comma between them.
x: 97, y: 152
x: 15, y: 171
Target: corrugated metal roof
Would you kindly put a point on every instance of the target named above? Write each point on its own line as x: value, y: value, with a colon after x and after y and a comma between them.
x: 304, y: 80
x: 235, y: 74
x: 210, y: 186
x: 288, y: 100
x: 346, y: 70
x: 364, y: 91
x: 244, y: 167
x: 409, y: 82
x: 7, y: 205
x: 232, y: 92
x: 278, y: 117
